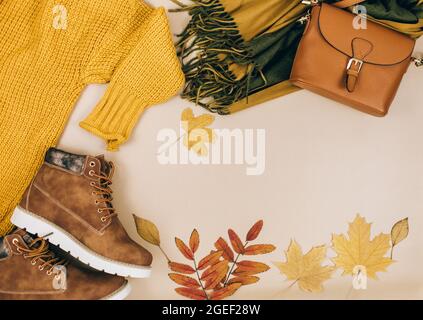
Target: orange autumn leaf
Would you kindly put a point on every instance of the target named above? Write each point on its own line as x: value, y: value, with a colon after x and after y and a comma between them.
x: 209, y: 260
x: 244, y: 280
x: 218, y: 267
x: 219, y: 286
x: 259, y: 249
x: 194, y: 241
x: 180, y: 267
x: 236, y: 242
x: 211, y: 284
x: 187, y: 253
x: 184, y: 280
x: 192, y: 293
x: 223, y: 246
x: 216, y: 277
x: 238, y: 273
x: 220, y: 274
x: 225, y: 291
x: 251, y: 267
x: 255, y: 231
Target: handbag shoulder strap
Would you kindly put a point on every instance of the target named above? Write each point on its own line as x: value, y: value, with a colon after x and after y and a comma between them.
x: 346, y: 3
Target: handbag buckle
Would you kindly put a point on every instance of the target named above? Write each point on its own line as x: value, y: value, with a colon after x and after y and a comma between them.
x: 357, y: 62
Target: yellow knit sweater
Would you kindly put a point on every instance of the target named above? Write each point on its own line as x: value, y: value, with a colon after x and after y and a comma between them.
x: 49, y: 51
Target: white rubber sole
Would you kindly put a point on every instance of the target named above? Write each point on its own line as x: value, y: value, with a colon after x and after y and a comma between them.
x: 57, y: 236
x: 120, y: 294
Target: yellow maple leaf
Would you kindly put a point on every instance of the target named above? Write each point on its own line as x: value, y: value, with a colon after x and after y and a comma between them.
x: 197, y: 133
x: 306, y: 270
x: 359, y: 251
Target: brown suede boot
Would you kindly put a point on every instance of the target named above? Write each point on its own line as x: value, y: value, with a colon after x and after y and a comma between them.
x: 70, y: 198
x: 31, y: 270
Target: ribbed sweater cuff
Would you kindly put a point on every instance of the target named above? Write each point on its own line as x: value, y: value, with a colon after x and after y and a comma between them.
x: 115, y: 116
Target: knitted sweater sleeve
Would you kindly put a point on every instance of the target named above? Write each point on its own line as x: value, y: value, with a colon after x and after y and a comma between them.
x: 148, y: 73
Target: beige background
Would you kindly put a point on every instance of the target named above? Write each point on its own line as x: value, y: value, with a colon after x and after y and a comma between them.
x: 324, y: 163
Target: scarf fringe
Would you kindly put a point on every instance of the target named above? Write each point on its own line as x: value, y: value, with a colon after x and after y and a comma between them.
x: 208, y: 46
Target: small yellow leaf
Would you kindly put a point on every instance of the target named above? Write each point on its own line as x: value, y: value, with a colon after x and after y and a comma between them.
x: 197, y: 139
x: 193, y: 122
x: 306, y: 270
x: 147, y: 230
x: 187, y: 115
x: 399, y: 231
x: 197, y: 133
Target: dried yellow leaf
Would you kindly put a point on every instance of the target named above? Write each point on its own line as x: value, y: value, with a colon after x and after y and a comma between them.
x: 359, y: 250
x: 197, y: 134
x: 190, y: 122
x: 147, y: 230
x: 399, y: 231
x: 306, y: 270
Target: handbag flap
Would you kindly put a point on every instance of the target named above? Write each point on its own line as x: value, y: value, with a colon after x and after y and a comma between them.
x: 388, y: 47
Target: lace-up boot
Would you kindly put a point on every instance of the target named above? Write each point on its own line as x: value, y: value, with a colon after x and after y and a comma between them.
x: 30, y: 269
x: 71, y: 200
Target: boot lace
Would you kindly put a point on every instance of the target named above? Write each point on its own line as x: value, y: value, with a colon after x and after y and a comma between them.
x: 104, y: 193
x: 38, y: 250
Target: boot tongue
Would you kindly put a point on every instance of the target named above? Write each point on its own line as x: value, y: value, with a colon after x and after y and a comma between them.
x: 107, y: 170
x: 105, y: 166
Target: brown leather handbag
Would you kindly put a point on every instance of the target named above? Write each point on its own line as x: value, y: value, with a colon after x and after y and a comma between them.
x: 361, y: 68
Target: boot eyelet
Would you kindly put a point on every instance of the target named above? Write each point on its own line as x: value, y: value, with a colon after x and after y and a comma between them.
x: 49, y: 273
x: 25, y: 256
x: 96, y: 202
x: 99, y: 210
x: 103, y: 219
x: 15, y: 241
x: 92, y: 184
x: 33, y: 262
x: 91, y: 172
x: 41, y: 268
x: 92, y: 164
